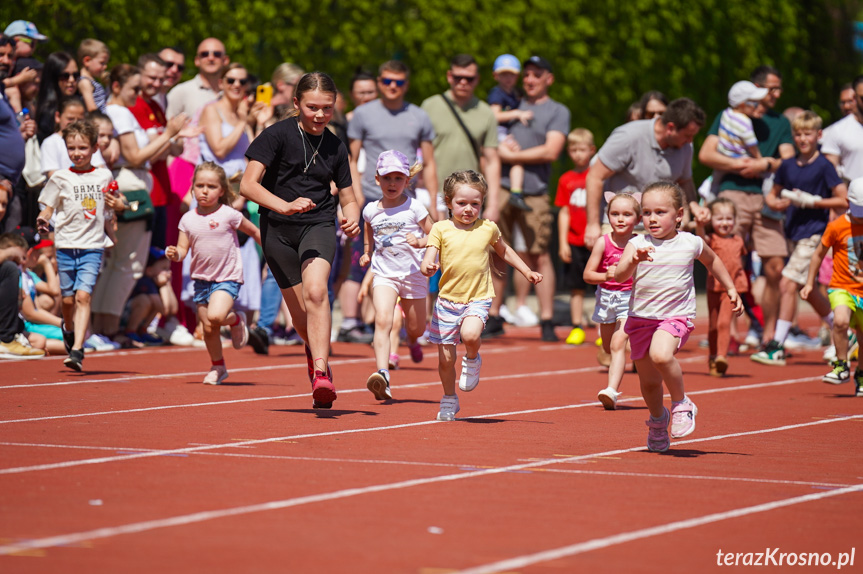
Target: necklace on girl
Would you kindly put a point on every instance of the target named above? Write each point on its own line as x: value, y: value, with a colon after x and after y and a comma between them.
x: 304, y: 137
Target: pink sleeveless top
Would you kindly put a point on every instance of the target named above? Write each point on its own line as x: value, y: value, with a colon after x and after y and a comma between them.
x: 611, y: 256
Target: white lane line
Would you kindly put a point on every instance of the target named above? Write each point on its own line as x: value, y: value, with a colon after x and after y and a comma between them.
x: 131, y: 378
x: 107, y: 532
x: 438, y: 464
x: 240, y: 444
x: 599, y: 543
x: 301, y: 395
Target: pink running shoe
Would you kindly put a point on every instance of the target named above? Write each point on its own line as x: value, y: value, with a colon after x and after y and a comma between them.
x: 323, y: 391
x: 416, y: 352
x: 394, y: 361
x: 311, y: 366
x: 239, y: 332
x: 683, y: 418
x: 657, y: 436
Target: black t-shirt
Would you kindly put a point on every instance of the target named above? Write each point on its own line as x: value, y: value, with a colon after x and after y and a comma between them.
x: 280, y: 147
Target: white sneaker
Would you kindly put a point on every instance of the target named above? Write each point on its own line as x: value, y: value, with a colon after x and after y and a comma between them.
x: 216, y: 375
x: 469, y: 378
x: 239, y: 332
x: 608, y: 397
x: 524, y: 317
x: 507, y: 315
x: 829, y: 354
x: 752, y: 339
x: 181, y: 337
x: 448, y: 408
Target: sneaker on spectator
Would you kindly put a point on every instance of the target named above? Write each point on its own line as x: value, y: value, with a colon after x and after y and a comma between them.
x: 797, y: 339
x: 416, y: 352
x: 469, y: 378
x: 657, y: 434
x: 524, y: 317
x: 239, y: 332
x: 858, y: 380
x: 493, y: 327
x: 576, y: 337
x: 151, y: 340
x: 448, y: 408
x: 259, y: 340
x: 217, y: 374
x: 355, y: 334
x: 547, y: 331
x: 840, y: 373
x: 517, y: 201
x: 286, y: 338
x: 180, y: 336
x: 100, y: 343
x: 378, y: 384
x: 507, y: 315
x: 683, y: 418
x: 772, y: 354
x: 608, y: 397
x: 14, y: 349
x: 394, y: 361
x: 135, y: 340
x: 75, y: 360
x: 323, y: 390
x: 752, y: 338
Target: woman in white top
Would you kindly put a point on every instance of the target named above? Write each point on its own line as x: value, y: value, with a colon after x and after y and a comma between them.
x: 125, y: 263
x: 227, y: 124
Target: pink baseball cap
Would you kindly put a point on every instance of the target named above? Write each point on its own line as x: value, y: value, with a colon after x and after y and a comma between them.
x: 393, y: 161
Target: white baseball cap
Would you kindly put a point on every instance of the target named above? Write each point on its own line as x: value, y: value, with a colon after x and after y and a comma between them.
x: 745, y: 91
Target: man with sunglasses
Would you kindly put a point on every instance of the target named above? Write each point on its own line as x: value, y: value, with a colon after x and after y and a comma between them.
x: 175, y: 65
x: 465, y: 130
x: 743, y: 184
x: 387, y: 123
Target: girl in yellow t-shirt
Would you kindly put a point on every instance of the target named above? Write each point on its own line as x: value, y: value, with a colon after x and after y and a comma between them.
x: 466, y: 290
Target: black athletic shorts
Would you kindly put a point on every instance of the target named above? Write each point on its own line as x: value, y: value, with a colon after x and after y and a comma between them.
x: 288, y: 245
x: 575, y: 269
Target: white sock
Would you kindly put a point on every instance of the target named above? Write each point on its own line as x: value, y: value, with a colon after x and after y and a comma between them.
x: 828, y: 319
x: 349, y: 323
x: 782, y: 328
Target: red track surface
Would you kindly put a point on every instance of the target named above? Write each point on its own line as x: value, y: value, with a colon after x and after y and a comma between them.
x: 136, y: 466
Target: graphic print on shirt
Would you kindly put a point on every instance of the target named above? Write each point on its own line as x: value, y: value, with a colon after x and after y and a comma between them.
x: 384, y: 233
x: 88, y: 196
x: 578, y: 198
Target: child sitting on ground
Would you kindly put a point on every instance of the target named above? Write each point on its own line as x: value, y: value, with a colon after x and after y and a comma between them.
x: 145, y: 303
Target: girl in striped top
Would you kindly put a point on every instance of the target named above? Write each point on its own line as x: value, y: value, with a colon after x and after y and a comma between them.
x: 662, y: 306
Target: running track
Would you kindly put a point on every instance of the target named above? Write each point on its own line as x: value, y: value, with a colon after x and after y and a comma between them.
x: 135, y: 466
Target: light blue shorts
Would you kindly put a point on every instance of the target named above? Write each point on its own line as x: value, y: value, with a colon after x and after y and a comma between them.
x: 205, y: 289
x: 447, y: 318
x: 78, y: 269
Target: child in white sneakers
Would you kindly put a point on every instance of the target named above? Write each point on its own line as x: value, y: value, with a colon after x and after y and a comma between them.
x: 210, y: 231
x: 461, y: 309
x: 612, y: 297
x: 391, y: 246
x: 662, y: 306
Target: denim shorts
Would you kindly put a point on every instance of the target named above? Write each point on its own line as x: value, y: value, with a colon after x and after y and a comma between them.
x: 204, y: 289
x: 78, y: 269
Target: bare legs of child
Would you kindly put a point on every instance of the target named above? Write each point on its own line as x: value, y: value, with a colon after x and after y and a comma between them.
x: 660, y: 365
x: 613, y: 342
x: 76, y: 312
x: 212, y: 316
x: 471, y: 329
x: 387, y: 307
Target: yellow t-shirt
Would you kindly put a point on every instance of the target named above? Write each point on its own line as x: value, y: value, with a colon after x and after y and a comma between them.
x: 464, y: 259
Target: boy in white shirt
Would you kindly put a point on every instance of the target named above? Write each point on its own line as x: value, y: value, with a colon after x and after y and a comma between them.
x: 82, y: 230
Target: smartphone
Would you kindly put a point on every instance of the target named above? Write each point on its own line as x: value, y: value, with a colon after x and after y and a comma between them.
x: 264, y: 94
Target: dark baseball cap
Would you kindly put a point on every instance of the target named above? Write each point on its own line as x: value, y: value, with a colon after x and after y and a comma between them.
x: 539, y: 62
x: 32, y: 237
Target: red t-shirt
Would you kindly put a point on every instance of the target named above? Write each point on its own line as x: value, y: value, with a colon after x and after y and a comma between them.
x: 152, y: 118
x: 572, y: 192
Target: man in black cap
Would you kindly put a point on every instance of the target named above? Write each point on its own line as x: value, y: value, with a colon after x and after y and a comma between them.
x: 535, y: 146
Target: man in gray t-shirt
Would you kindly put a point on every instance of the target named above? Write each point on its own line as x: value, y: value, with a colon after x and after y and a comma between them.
x: 639, y: 153
x: 535, y: 146
x: 390, y: 123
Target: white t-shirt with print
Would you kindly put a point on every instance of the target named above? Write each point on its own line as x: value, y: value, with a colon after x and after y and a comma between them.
x: 79, y: 208
x: 393, y: 257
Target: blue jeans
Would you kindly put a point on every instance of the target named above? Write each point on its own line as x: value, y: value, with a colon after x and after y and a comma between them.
x: 271, y: 303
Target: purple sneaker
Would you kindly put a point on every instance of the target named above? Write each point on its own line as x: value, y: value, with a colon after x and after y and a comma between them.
x: 683, y: 418
x: 657, y: 436
x: 416, y: 353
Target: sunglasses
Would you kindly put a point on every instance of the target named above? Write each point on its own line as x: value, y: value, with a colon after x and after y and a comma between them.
x: 206, y: 54
x: 177, y: 65
x: 66, y: 76
x: 459, y: 79
x: 232, y: 81
x: 389, y: 81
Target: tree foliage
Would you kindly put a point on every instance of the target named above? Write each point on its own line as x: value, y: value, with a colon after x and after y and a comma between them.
x: 605, y: 54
